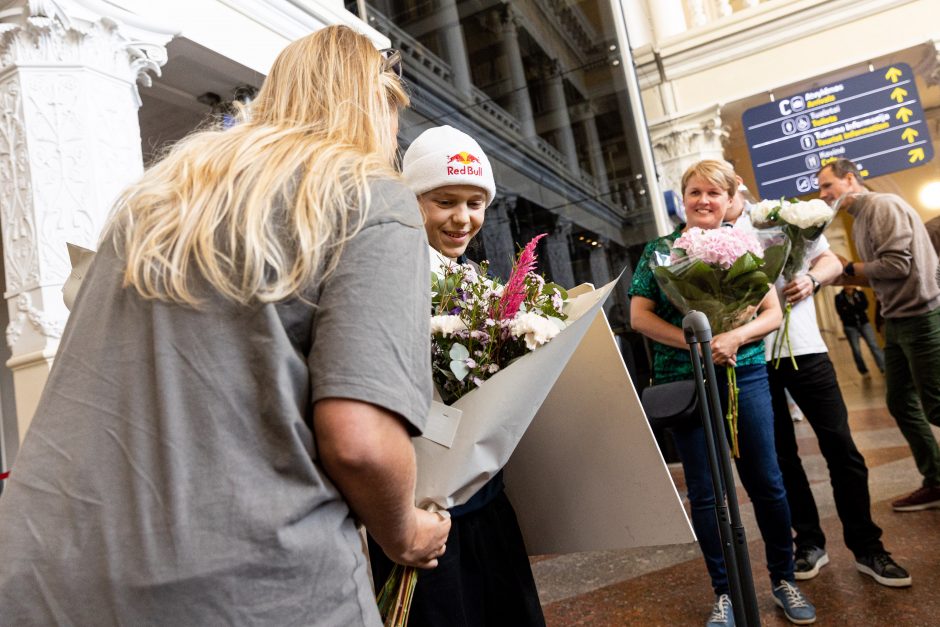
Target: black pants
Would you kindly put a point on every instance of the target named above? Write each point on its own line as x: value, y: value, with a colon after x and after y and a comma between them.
x: 483, y: 579
x: 815, y: 389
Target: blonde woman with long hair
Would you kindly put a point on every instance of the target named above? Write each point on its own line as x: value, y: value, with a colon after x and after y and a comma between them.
x: 240, y: 376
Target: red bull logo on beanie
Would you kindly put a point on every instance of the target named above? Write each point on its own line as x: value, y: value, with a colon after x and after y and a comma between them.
x: 464, y: 161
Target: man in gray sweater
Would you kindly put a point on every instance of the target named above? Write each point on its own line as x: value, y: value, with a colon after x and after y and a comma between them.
x: 899, y: 262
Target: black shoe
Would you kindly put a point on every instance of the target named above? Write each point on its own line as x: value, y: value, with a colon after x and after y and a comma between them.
x: 808, y: 560
x: 883, y: 569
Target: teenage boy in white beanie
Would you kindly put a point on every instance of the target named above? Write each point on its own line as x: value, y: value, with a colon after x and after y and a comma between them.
x: 484, y: 577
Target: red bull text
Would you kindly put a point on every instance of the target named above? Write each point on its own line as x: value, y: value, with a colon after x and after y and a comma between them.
x: 465, y: 159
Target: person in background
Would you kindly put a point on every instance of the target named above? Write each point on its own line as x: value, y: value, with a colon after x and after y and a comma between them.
x: 813, y: 385
x: 852, y: 306
x: 708, y: 188
x: 933, y: 230
x: 223, y: 408
x: 900, y: 264
x: 484, y: 579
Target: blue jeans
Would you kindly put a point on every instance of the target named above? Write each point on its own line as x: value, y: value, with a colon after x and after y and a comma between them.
x: 758, y: 470
x: 866, y: 332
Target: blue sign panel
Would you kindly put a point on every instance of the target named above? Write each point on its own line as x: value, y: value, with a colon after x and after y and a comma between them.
x: 875, y: 119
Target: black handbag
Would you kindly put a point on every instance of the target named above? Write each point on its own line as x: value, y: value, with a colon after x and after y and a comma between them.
x: 673, y: 404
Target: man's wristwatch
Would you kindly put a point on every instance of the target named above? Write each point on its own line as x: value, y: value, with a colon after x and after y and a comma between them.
x: 816, y: 283
x: 849, y: 268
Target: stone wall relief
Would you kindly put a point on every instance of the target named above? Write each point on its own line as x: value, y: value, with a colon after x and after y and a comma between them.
x: 18, y: 228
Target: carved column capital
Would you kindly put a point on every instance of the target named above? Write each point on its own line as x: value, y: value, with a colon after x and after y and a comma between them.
x: 680, y: 142
x: 929, y: 67
x: 509, y: 19
x: 56, y: 32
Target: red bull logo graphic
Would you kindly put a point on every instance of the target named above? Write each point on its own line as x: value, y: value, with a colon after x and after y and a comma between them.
x: 465, y: 162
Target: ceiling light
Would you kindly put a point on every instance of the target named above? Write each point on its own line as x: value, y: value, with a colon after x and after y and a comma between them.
x: 930, y: 195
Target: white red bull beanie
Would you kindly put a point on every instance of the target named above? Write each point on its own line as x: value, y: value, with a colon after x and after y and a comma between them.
x: 445, y: 156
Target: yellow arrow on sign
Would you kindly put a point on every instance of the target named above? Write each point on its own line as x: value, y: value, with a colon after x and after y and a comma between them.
x: 910, y: 135
x: 904, y: 114
x: 893, y: 74
x: 915, y: 154
x: 898, y: 93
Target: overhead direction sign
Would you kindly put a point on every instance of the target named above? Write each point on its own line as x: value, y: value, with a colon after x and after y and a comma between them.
x: 874, y: 119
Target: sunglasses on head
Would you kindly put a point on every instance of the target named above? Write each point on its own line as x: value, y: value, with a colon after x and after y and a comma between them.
x: 392, y: 60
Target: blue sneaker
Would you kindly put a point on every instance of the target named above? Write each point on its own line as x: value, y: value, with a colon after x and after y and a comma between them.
x: 796, y: 608
x: 722, y: 615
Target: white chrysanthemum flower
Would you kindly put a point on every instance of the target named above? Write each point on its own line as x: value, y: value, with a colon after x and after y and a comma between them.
x: 535, y: 329
x: 806, y: 214
x: 447, y: 325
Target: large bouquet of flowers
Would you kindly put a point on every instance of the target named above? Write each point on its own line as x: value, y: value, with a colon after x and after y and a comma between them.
x: 724, y: 273
x: 804, y: 223
x: 478, y: 327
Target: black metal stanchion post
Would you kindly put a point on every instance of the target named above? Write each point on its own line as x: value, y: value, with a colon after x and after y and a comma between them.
x: 698, y: 336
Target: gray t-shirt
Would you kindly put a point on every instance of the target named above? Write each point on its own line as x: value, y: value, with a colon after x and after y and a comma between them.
x: 170, y: 475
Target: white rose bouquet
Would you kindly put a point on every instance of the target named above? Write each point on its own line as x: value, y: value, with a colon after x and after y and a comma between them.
x: 803, y: 222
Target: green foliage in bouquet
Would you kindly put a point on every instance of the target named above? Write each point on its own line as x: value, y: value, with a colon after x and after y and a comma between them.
x: 727, y: 298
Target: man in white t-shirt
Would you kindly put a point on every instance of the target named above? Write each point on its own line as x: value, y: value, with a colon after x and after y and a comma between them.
x: 810, y: 379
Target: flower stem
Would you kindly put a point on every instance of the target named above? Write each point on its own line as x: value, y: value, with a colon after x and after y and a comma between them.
x: 394, y: 599
x: 732, y: 415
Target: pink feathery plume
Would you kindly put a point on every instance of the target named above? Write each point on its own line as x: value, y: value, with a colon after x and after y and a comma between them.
x: 514, y: 291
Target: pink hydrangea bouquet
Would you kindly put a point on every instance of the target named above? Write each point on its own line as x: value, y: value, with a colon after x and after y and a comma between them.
x: 804, y: 223
x: 478, y: 327
x: 724, y: 273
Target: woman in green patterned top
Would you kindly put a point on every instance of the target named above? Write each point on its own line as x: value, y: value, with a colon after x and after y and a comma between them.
x: 707, y: 190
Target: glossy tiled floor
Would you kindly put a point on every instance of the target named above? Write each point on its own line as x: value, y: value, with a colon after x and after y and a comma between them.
x: 669, y: 585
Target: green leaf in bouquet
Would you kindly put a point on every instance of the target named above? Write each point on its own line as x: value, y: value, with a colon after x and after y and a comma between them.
x: 774, y: 258
x: 748, y: 262
x: 700, y: 273
x: 753, y: 280
x: 551, y: 288
x: 458, y: 364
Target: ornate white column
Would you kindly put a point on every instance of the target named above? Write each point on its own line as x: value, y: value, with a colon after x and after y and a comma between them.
x: 639, y: 26
x: 455, y: 48
x: 600, y: 269
x: 520, y: 105
x: 699, y: 12
x: 497, y: 236
x: 69, y: 142
x: 668, y: 18
x: 680, y: 142
x: 560, y: 120
x: 559, y: 254
x: 584, y: 114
